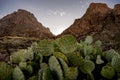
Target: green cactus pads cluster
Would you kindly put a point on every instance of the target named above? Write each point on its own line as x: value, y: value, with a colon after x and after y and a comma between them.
x: 62, y: 59
x: 67, y: 44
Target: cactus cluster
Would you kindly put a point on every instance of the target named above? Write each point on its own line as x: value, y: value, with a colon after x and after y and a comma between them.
x: 62, y: 59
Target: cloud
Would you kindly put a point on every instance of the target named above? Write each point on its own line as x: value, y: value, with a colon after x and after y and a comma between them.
x: 62, y: 13
x: 56, y: 13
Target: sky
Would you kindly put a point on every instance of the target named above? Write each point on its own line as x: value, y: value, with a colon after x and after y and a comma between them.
x: 57, y: 15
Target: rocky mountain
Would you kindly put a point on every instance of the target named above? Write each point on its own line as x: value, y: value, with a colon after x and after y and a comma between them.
x: 18, y: 31
x: 23, y: 24
x: 101, y: 22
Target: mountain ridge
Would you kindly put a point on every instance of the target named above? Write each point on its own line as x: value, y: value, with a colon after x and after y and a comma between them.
x: 24, y: 24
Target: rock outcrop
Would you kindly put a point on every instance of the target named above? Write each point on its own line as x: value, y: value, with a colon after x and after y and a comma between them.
x: 23, y: 24
x: 101, y: 22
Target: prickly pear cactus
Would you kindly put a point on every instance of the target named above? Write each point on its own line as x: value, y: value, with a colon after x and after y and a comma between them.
x: 88, y: 40
x: 60, y: 55
x: 55, y: 68
x: 46, y: 73
x: 80, y: 46
x: 67, y: 44
x: 40, y: 74
x: 18, y: 56
x: 75, y: 59
x: 5, y: 71
x: 87, y: 67
x: 116, y: 63
x: 30, y: 54
x: 64, y: 67
x: 34, y: 46
x: 33, y: 78
x: 43, y: 66
x: 29, y: 69
x: 22, y: 65
x: 38, y: 57
x: 73, y: 73
x: 18, y: 74
x: 107, y: 72
x: 62, y: 59
x: 46, y: 47
x: 98, y: 43
x: 110, y: 54
x: 88, y: 49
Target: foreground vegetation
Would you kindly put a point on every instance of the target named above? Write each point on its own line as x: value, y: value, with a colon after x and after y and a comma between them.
x: 62, y: 59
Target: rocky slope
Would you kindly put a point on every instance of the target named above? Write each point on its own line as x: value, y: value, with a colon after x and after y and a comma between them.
x: 23, y: 24
x: 18, y: 30
x: 101, y: 22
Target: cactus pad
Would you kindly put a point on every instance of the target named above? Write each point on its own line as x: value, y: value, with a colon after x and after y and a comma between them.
x: 67, y: 44
x: 18, y: 74
x: 107, y: 72
x: 46, y: 47
x: 55, y: 68
x: 5, y: 71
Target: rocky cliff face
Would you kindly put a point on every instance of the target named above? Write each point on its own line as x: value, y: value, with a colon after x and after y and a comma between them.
x: 101, y: 22
x: 23, y: 24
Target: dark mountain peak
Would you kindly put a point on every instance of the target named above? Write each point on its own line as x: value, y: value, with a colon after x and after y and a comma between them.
x: 24, y: 24
x: 100, y: 8
x: 22, y: 10
x: 20, y: 17
x: 91, y: 21
x: 117, y: 6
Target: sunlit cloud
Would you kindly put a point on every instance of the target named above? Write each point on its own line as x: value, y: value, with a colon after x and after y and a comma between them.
x: 62, y: 13
x: 56, y: 13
